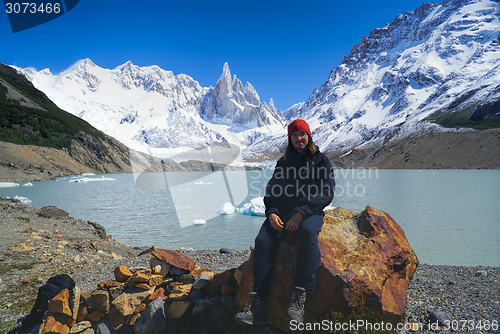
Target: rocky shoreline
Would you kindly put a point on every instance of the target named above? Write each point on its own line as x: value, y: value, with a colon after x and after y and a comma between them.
x: 37, y: 244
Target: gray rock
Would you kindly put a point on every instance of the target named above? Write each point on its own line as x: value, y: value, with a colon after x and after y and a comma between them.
x: 212, y: 305
x: 153, y: 319
x: 177, y: 271
x: 53, y: 212
x: 99, y: 229
x: 196, y: 294
x: 116, y: 291
x: 483, y: 273
x: 103, y: 327
x: 440, y: 317
x: 187, y: 278
x: 226, y: 251
x: 202, y: 281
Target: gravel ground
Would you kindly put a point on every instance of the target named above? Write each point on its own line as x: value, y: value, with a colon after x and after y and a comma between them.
x: 55, y: 243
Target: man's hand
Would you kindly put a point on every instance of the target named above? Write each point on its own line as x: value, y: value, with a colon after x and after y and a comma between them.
x: 293, y: 224
x: 275, y: 221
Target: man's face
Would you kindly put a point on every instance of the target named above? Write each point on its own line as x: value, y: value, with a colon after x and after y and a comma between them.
x: 300, y: 139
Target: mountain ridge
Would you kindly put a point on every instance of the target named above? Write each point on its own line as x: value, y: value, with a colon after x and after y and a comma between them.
x: 439, y: 58
x: 434, y: 67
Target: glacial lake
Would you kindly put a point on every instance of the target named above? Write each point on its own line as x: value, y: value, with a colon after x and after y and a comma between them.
x: 449, y: 216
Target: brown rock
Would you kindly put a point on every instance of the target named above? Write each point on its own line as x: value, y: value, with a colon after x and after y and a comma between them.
x: 155, y: 280
x: 174, y: 284
x: 180, y: 292
x: 95, y: 316
x: 172, y: 258
x: 122, y: 274
x: 133, y: 318
x: 160, y: 292
x: 115, y: 318
x: 130, y: 299
x: 99, y: 300
x: 214, y: 287
x: 52, y: 326
x: 111, y: 284
x: 60, y: 303
x: 141, y: 307
x: 140, y: 276
x: 238, y: 273
x: 366, y: 260
x: 70, y: 322
x: 178, y: 308
x: 228, y: 289
x: 142, y: 286
x: 82, y: 313
x: 84, y: 295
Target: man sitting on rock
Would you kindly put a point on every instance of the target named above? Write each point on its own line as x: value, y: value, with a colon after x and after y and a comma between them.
x: 302, y: 185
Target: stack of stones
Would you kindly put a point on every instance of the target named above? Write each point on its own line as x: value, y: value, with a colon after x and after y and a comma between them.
x: 142, y: 300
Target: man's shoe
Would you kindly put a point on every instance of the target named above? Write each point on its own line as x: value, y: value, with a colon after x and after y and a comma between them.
x: 296, y: 311
x: 255, y: 313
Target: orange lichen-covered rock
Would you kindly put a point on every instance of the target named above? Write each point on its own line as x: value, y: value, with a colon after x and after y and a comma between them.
x: 122, y: 273
x: 52, y: 326
x: 366, y: 261
x: 172, y: 257
x: 60, y: 303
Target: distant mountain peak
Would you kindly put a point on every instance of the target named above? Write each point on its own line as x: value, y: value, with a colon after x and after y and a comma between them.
x: 154, y: 107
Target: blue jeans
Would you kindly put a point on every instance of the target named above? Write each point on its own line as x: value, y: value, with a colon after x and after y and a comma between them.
x: 308, y: 254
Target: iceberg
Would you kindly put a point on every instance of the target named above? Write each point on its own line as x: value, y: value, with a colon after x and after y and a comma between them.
x: 28, y: 184
x: 8, y: 184
x: 199, y: 222
x: 90, y: 179
x: 255, y: 207
x: 226, y: 209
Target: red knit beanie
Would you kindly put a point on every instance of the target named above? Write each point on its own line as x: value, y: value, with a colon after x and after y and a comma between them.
x: 298, y: 125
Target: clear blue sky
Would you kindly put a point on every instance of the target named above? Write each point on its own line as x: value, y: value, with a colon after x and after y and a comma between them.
x: 285, y: 49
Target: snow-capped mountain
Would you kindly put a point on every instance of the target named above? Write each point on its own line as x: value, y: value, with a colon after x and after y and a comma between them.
x: 154, y: 107
x: 441, y: 57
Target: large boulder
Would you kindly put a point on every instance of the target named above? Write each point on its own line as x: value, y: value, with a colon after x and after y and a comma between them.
x: 366, y: 264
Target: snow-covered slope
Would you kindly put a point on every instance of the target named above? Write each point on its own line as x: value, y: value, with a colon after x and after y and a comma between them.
x: 148, y: 107
x: 441, y: 57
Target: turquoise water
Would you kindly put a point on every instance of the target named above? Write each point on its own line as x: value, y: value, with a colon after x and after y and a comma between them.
x: 449, y: 216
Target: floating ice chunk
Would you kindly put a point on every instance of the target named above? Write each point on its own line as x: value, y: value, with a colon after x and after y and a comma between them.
x: 23, y: 199
x: 199, y: 222
x: 255, y: 207
x: 8, y: 184
x: 226, y: 209
x: 28, y: 184
x: 91, y: 179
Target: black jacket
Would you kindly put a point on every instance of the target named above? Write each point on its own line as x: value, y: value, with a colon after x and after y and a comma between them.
x: 304, y: 185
